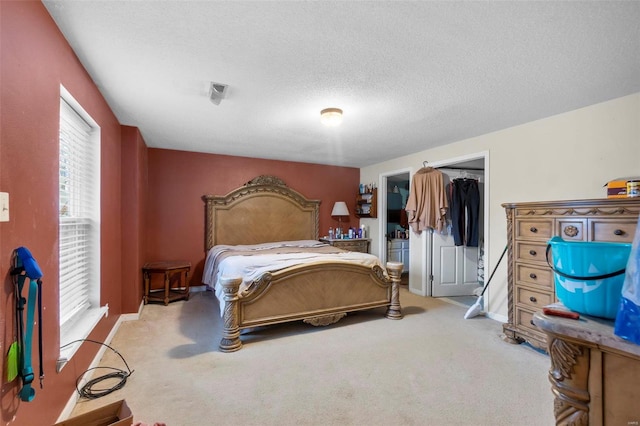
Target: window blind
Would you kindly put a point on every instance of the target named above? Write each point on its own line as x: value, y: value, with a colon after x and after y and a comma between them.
x: 77, y: 213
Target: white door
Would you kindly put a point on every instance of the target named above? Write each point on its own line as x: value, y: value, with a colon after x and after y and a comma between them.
x: 455, y: 268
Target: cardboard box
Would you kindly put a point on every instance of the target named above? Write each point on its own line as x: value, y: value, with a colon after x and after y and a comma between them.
x: 115, y: 414
x: 617, y: 189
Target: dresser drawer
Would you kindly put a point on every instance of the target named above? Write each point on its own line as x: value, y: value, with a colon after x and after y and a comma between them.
x: 619, y: 231
x: 534, y: 299
x: 352, y: 245
x: 541, y: 229
x: 531, y: 252
x: 524, y: 318
x: 572, y: 229
x: 542, y: 277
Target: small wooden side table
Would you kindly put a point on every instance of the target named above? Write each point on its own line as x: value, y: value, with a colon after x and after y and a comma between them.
x: 170, y: 269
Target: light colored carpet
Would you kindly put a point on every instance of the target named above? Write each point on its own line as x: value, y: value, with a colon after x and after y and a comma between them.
x: 431, y: 368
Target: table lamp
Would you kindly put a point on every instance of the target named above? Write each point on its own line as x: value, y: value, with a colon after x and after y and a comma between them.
x: 340, y: 209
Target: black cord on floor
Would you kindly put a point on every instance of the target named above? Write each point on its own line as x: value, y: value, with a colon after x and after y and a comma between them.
x: 89, y: 390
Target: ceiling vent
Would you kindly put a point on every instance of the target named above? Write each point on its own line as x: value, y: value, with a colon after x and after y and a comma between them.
x: 217, y: 92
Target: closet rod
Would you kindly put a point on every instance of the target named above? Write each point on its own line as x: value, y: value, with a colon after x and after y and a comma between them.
x: 424, y: 164
x: 460, y: 168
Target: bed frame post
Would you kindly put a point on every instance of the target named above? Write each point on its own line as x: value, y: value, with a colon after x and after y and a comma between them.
x: 395, y: 272
x: 230, y: 341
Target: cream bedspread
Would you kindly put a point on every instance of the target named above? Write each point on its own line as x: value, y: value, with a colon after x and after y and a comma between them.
x: 251, y: 261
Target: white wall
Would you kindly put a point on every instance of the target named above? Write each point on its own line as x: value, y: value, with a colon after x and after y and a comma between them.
x: 563, y: 157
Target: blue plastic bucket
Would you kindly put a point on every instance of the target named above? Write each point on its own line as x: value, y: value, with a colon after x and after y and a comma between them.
x: 589, y: 275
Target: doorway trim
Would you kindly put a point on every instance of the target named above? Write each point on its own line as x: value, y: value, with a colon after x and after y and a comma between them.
x: 427, y: 249
x: 382, y: 209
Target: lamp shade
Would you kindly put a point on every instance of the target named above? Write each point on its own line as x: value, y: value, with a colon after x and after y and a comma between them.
x: 340, y: 209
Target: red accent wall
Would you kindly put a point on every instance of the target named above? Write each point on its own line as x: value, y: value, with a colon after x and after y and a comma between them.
x: 36, y: 59
x: 151, y: 198
x: 135, y: 189
x: 179, y: 179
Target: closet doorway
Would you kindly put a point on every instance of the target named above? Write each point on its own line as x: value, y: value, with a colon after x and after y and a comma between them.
x: 458, y: 270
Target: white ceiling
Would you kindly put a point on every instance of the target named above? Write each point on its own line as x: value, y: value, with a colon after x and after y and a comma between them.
x: 409, y: 75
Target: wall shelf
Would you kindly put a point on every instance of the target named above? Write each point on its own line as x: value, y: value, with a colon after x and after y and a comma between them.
x: 367, y: 204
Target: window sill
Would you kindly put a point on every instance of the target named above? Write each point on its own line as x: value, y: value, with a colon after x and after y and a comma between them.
x: 71, y: 339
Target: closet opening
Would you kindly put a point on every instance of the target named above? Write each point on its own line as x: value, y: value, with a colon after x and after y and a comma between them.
x: 456, y: 256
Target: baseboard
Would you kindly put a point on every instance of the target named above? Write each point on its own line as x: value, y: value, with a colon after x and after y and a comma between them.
x: 73, y: 400
x: 497, y: 317
x: 68, y: 409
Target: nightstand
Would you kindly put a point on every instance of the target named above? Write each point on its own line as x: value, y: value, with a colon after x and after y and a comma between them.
x: 353, y: 244
x: 172, y: 271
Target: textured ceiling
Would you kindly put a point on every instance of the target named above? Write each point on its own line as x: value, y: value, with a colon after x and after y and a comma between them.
x: 408, y: 75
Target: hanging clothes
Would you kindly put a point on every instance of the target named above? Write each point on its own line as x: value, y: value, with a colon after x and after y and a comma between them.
x: 465, y: 211
x: 427, y: 202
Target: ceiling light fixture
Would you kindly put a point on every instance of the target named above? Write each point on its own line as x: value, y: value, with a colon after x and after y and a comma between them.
x: 331, y: 117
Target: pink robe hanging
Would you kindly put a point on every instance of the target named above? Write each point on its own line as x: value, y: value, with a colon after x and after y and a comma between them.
x: 427, y: 203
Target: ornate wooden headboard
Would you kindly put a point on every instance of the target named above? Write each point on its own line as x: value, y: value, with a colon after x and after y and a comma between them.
x: 262, y: 210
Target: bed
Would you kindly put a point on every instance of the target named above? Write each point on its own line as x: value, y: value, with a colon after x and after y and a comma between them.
x: 265, y: 211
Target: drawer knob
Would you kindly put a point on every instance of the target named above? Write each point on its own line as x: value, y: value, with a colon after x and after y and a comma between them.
x: 571, y: 231
x: 532, y: 252
x: 533, y: 276
x: 533, y: 229
x: 618, y: 232
x: 533, y: 299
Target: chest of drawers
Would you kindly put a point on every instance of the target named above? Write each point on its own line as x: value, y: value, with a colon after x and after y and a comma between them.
x: 529, y: 226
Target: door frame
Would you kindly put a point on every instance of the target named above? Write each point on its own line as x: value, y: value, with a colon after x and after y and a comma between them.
x: 427, y: 245
x: 382, y: 209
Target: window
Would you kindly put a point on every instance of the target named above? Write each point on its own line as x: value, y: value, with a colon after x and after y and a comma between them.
x: 79, y: 224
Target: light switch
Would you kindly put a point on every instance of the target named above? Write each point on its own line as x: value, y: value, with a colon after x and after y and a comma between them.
x: 4, y: 207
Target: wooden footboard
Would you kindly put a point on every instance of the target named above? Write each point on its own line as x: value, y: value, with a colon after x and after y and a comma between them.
x: 319, y: 294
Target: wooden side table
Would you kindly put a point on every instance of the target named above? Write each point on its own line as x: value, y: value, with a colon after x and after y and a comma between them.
x: 172, y: 270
